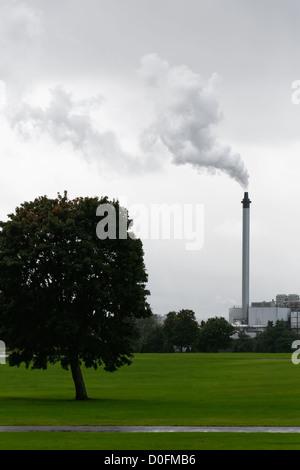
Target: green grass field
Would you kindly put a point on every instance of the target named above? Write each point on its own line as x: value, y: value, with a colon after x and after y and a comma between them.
x: 157, y: 389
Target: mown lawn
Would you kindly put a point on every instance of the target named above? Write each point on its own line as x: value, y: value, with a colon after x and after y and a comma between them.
x: 160, y: 389
x: 148, y: 441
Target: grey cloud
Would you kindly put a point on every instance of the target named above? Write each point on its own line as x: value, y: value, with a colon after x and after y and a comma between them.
x: 69, y: 121
x: 185, y: 116
x: 186, y: 111
x: 21, y: 31
x: 65, y: 120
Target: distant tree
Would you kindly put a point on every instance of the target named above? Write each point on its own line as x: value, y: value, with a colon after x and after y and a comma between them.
x: 142, y: 326
x: 187, y: 329
x: 65, y: 294
x: 243, y: 342
x: 181, y: 330
x: 215, y: 334
x: 169, y: 329
x: 275, y: 338
x: 155, y: 342
x: 149, y: 335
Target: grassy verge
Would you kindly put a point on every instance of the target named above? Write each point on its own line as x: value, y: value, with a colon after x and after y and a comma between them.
x: 146, y: 441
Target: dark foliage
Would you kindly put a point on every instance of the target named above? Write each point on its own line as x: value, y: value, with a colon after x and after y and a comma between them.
x: 67, y: 295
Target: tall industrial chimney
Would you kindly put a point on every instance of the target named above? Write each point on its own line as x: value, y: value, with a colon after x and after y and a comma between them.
x: 246, y: 245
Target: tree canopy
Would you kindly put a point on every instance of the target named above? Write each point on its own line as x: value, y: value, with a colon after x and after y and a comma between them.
x: 275, y: 338
x: 215, y: 334
x: 65, y: 294
x: 181, y: 330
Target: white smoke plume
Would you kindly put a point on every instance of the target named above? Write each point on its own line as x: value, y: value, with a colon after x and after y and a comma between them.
x: 185, y: 109
x: 186, y: 113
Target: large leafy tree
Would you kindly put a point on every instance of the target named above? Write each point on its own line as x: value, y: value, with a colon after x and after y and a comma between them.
x: 67, y: 295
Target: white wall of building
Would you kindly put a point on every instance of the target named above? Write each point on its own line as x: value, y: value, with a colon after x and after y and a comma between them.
x: 236, y: 315
x: 262, y: 315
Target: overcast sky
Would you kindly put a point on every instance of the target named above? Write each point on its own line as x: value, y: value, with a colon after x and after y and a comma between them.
x: 185, y: 102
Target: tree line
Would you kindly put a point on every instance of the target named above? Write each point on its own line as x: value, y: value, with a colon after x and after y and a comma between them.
x: 180, y: 332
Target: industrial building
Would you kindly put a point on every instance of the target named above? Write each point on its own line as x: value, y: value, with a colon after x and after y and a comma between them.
x: 255, y: 317
x: 260, y: 313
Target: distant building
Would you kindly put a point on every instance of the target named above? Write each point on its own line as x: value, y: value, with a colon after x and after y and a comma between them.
x: 264, y: 304
x: 262, y: 315
x: 285, y: 308
x: 295, y: 321
x: 259, y: 315
x: 291, y: 301
x: 159, y: 318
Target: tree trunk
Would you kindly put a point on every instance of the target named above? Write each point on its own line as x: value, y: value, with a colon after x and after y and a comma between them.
x: 78, y: 380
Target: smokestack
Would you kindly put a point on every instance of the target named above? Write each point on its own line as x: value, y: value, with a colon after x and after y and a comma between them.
x: 246, y: 245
